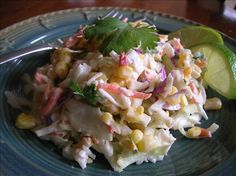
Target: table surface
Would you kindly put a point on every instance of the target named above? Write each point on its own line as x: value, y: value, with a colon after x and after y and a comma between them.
x: 213, y: 13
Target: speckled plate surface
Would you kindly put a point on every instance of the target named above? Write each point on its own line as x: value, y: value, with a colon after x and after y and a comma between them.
x: 22, y: 153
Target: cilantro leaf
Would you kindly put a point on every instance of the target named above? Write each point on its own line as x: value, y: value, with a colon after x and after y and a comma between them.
x: 89, y: 93
x: 75, y: 88
x: 124, y: 39
x: 102, y: 28
x: 114, y: 34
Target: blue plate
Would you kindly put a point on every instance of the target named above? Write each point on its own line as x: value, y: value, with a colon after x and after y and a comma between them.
x: 22, y: 153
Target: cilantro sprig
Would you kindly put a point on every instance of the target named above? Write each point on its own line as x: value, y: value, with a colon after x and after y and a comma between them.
x: 89, y: 93
x: 114, y: 34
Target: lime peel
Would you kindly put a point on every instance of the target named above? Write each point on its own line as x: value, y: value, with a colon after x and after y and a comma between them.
x: 193, y: 35
x: 221, y: 69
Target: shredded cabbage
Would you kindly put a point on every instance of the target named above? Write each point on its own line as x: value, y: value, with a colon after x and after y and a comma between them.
x: 141, y: 96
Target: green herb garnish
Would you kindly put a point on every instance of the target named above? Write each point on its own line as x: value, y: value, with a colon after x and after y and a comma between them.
x: 89, y: 93
x: 114, y: 34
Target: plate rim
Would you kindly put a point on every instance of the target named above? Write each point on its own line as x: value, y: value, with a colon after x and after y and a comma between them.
x: 153, y: 12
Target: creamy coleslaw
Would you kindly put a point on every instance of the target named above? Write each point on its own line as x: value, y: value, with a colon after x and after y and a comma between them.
x: 123, y: 105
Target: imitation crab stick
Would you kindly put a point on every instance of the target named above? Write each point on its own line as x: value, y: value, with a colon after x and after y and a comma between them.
x: 119, y: 90
x: 52, y: 101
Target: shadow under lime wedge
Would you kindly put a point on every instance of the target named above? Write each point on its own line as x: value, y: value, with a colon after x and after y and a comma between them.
x: 193, y: 35
x: 220, y: 74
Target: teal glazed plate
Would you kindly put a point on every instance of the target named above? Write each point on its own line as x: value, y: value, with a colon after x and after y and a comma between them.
x: 23, y: 154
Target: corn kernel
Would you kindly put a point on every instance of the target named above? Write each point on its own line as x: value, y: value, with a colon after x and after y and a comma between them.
x: 107, y: 118
x: 140, y: 110
x: 146, y: 144
x: 183, y: 101
x: 193, y: 132
x: 25, y: 121
x: 131, y: 115
x: 125, y: 72
x: 61, y: 55
x: 136, y: 135
x: 134, y: 119
x: 187, y: 72
x: 134, y: 126
x: 61, y: 69
x: 213, y: 104
x: 173, y: 90
x: 141, y: 56
x: 66, y: 56
x: 118, y: 81
x: 173, y: 100
x: 51, y: 73
x: 182, y: 57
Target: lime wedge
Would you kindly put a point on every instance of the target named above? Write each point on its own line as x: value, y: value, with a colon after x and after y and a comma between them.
x: 193, y: 35
x: 220, y: 74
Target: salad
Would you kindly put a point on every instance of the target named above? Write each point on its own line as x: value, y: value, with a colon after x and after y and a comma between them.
x: 119, y: 88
